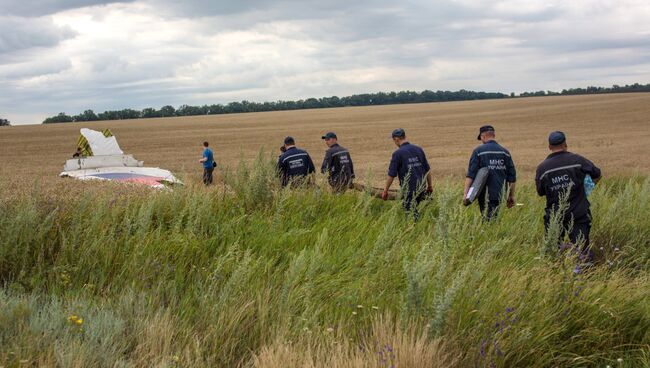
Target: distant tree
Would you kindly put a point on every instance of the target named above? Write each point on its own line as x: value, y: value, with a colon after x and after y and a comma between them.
x: 61, y: 118
x: 150, y: 112
x: 365, y: 99
x: 88, y: 115
x: 167, y: 111
x: 5, y: 122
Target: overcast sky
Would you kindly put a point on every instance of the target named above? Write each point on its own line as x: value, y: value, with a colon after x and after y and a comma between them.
x: 72, y: 55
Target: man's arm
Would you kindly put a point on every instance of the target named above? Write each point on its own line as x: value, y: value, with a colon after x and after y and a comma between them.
x: 392, y: 173
x: 327, y: 162
x: 427, y: 167
x: 588, y: 167
x: 468, y: 184
x: 511, y: 195
x: 539, y: 185
x: 511, y: 179
x: 389, y: 182
x: 310, y: 165
x: 472, y: 170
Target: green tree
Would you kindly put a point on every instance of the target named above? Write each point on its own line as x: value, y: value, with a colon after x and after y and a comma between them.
x: 167, y: 111
x: 4, y: 122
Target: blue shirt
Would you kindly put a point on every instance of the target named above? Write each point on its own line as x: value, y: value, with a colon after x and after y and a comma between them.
x: 409, y: 161
x: 207, y: 153
x: 294, y: 163
x: 499, y: 163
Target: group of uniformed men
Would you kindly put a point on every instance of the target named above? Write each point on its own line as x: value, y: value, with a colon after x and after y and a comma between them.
x: 561, y: 173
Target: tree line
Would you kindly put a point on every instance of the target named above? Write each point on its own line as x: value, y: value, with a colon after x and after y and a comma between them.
x: 366, y: 99
x: 4, y: 122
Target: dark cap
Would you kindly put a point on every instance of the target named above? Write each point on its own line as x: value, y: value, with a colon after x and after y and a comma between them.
x: 484, y: 128
x: 398, y: 133
x: 556, y: 138
x: 329, y: 135
x: 289, y: 141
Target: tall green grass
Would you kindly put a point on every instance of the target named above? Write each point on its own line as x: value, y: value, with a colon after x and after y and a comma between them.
x: 245, y: 271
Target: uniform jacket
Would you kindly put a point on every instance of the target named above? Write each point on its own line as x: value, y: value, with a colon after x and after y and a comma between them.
x: 338, y: 164
x: 294, y: 163
x: 499, y: 163
x: 410, y: 164
x: 562, y: 171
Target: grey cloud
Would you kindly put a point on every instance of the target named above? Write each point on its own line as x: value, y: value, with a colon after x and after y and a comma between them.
x: 18, y: 33
x: 36, y: 8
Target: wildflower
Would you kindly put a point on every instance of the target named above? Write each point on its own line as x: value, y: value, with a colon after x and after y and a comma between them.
x: 616, y: 249
x: 354, y: 313
x: 620, y: 360
x: 75, y: 320
x: 24, y: 361
x: 176, y: 358
x: 510, y: 309
x: 375, y: 307
x: 330, y: 329
x: 359, y: 306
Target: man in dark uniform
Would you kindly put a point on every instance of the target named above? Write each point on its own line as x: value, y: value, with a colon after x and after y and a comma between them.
x: 409, y: 163
x: 337, y: 164
x: 294, y: 165
x: 501, y: 171
x: 563, y: 174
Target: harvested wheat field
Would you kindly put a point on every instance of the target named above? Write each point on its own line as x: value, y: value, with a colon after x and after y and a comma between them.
x: 611, y: 130
x: 246, y: 274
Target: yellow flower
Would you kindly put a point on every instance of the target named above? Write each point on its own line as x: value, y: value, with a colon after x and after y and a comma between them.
x: 79, y: 321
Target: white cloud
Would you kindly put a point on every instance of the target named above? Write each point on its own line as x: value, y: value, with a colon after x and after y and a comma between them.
x: 151, y: 53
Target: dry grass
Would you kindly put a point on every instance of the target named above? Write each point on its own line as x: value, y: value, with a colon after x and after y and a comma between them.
x: 388, y: 346
x: 612, y: 130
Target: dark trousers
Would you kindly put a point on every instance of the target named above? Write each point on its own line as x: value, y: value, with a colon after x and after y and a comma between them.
x: 207, y: 175
x: 489, y: 207
x: 340, y: 184
x: 580, y: 230
x: 411, y: 202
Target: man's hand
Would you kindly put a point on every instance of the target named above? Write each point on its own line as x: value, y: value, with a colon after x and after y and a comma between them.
x: 429, y: 190
x: 511, y: 202
x: 384, y: 195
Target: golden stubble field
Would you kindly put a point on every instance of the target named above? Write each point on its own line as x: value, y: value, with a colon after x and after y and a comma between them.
x: 611, y: 130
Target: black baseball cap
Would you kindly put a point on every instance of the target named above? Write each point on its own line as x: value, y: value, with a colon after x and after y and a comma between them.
x: 289, y: 140
x: 556, y: 137
x: 484, y: 128
x: 329, y: 135
x: 399, y: 133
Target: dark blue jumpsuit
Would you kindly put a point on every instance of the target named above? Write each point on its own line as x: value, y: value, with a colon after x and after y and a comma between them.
x: 338, y: 166
x: 294, y: 165
x: 410, y: 164
x: 561, y: 172
x: 501, y: 171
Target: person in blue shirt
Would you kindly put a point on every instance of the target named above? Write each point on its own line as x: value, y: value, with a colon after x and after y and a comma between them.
x: 410, y: 165
x: 502, y: 172
x: 208, y: 164
x: 294, y: 165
